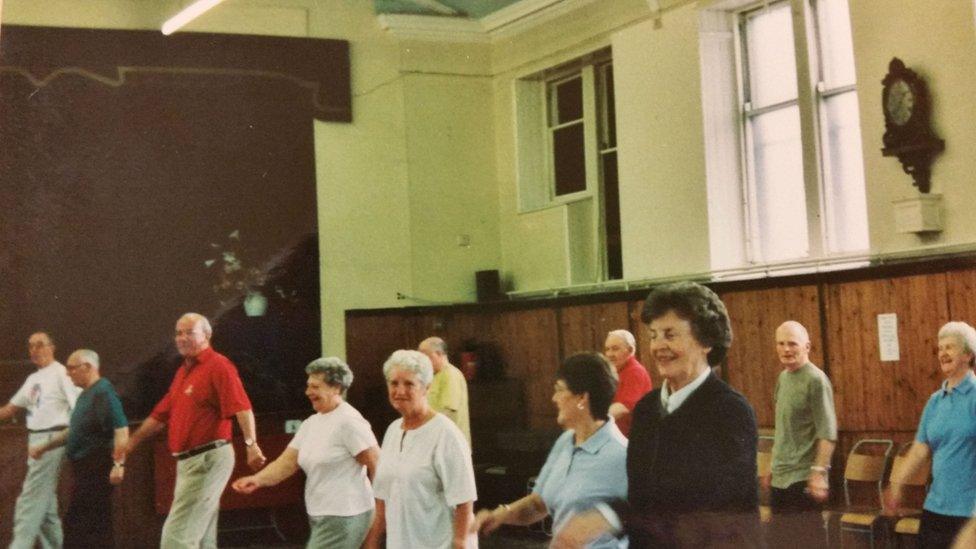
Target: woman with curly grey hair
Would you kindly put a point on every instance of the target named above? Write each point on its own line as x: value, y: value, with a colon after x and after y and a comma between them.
x: 337, y: 450
x: 424, y: 486
x: 691, y: 459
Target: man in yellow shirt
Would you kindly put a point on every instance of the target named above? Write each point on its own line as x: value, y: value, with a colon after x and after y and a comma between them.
x: 448, y: 393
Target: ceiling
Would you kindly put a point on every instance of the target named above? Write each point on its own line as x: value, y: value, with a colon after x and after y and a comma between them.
x: 471, y: 9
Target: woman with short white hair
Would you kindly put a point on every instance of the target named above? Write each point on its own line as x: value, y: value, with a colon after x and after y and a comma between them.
x: 946, y: 434
x: 424, y: 485
x: 337, y: 450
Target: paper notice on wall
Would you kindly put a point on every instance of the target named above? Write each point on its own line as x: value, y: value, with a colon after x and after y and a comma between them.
x: 888, y: 337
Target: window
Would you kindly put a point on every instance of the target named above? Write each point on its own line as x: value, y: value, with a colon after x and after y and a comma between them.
x: 800, y: 170
x: 566, y: 135
x: 567, y: 149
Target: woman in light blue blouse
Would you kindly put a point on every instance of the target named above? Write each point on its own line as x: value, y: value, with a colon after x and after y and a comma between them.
x: 586, y: 465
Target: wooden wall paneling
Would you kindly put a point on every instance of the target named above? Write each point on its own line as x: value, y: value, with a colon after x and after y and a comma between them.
x: 752, y: 366
x: 369, y: 342
x: 962, y: 295
x: 530, y: 344
x: 136, y: 523
x: 470, y: 326
x: 846, y: 441
x: 872, y: 395
x: 584, y: 327
x: 421, y: 326
x: 643, y: 344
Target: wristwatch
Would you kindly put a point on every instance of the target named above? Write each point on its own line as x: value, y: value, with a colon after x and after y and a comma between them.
x: 249, y: 442
x: 119, y: 464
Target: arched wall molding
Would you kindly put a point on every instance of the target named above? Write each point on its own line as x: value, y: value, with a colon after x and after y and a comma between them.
x: 44, y: 54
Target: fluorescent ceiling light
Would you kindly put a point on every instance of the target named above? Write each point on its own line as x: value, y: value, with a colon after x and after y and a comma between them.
x: 188, y: 14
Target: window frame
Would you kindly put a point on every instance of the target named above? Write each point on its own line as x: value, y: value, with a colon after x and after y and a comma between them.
x: 584, y: 210
x: 810, y: 100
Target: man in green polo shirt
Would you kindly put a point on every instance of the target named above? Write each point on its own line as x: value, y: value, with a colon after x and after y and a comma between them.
x: 806, y: 433
x: 95, y: 438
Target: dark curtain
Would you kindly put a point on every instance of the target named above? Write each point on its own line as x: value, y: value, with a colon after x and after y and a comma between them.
x: 113, y: 198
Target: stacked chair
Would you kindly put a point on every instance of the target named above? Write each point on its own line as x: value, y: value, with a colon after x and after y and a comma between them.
x: 864, y: 472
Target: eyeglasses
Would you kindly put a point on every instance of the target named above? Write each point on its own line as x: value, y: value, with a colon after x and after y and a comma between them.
x: 37, y: 345
x: 73, y: 367
x: 179, y: 333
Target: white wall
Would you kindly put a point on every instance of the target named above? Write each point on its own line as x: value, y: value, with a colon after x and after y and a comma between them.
x: 660, y: 137
x: 661, y: 159
x: 935, y: 38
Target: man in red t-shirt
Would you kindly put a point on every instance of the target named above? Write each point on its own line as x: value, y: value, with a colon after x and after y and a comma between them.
x: 633, y: 382
x: 205, y: 393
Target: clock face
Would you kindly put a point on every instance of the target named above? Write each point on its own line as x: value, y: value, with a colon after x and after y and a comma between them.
x: 900, y: 103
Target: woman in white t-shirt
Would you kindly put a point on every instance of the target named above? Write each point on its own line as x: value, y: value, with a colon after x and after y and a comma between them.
x: 336, y: 449
x: 424, y: 485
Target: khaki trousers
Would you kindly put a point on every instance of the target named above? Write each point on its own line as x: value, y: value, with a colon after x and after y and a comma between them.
x: 200, y: 480
x: 36, y: 513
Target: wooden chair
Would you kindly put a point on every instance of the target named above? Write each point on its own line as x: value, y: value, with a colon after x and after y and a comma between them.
x: 915, y: 488
x: 764, y: 467
x: 866, y: 465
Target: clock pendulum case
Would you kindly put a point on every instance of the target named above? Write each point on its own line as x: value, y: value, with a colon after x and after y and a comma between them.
x: 908, y: 131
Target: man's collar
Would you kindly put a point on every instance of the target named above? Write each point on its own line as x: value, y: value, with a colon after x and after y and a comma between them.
x: 46, y: 365
x: 631, y: 361
x: 798, y: 368
x: 202, y: 356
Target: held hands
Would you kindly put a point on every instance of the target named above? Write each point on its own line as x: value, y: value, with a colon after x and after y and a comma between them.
x: 115, y: 477
x: 255, y: 458
x: 246, y: 485
x: 487, y: 521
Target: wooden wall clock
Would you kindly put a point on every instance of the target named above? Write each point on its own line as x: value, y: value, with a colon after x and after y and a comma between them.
x: 908, y: 130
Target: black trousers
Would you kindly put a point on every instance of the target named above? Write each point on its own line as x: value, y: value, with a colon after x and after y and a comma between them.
x: 88, y: 522
x: 937, y: 531
x: 797, y: 520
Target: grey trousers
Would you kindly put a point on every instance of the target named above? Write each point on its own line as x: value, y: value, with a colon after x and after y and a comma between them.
x: 36, y: 513
x: 335, y: 532
x: 192, y: 519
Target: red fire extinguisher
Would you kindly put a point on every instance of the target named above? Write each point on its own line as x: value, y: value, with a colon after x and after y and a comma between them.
x: 469, y: 364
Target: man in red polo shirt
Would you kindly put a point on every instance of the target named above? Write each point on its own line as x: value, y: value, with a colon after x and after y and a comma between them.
x: 206, y: 392
x: 633, y: 382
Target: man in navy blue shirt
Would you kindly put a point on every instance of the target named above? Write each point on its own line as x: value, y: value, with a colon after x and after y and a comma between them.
x: 95, y: 438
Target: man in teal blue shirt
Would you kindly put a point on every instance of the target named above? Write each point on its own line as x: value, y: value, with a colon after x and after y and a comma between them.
x: 95, y: 438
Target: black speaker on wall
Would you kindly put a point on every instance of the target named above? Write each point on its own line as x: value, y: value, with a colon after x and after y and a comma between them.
x: 489, y: 285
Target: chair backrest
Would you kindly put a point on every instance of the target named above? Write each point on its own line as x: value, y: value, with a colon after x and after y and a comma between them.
x: 865, y: 468
x: 866, y: 463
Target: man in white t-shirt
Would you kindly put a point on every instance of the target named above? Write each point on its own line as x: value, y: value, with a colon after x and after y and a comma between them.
x: 48, y: 396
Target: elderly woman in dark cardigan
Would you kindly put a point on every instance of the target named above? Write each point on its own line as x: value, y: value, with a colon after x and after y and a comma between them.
x: 691, y: 461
